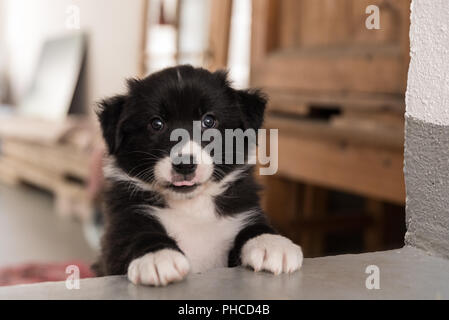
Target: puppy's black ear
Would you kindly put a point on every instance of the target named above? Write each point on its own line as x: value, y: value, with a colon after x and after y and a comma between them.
x: 222, y: 77
x: 252, y: 104
x: 109, y: 114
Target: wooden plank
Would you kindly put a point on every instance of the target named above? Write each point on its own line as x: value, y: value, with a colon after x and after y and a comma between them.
x: 264, y: 29
x: 282, y: 99
x: 31, y: 129
x: 368, y: 171
x: 322, y: 22
x: 340, y: 135
x: 383, y: 123
x: 61, y: 159
x: 71, y: 199
x: 142, y: 65
x: 219, y: 31
x: 381, y: 118
x: 369, y: 74
x: 44, y: 132
x: 32, y: 174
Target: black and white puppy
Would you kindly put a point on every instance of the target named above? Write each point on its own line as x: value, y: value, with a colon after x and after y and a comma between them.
x: 165, y: 219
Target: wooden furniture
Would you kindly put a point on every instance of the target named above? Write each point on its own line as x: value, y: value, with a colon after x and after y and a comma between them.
x: 53, y: 156
x: 337, y: 97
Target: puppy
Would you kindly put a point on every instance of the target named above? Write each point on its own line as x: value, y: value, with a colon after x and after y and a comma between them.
x: 165, y: 219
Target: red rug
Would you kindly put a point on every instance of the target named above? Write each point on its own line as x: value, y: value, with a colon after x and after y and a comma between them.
x: 41, y: 272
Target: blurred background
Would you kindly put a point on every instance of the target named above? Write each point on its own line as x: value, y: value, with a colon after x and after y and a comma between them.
x: 336, y: 93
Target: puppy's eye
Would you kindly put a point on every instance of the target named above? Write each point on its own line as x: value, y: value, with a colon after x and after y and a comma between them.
x: 209, y: 121
x: 156, y: 124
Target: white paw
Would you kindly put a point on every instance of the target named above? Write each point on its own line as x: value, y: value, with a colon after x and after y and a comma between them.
x: 272, y: 253
x: 159, y: 268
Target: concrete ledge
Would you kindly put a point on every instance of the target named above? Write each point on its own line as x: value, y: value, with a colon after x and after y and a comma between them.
x: 427, y: 183
x: 407, y: 273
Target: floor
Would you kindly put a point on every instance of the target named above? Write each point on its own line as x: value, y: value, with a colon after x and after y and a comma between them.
x: 407, y: 273
x: 30, y: 230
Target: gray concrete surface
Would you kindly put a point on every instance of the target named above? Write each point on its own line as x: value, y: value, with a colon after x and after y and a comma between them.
x: 427, y: 128
x: 31, y: 231
x: 427, y: 183
x: 407, y: 273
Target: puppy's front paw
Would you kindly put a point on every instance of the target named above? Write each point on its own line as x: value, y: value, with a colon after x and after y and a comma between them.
x: 159, y: 268
x: 272, y: 253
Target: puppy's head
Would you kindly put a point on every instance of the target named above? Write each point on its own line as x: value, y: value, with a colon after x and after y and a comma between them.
x: 138, y: 127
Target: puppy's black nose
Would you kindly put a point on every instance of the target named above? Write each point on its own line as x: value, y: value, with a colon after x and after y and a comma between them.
x: 184, y: 168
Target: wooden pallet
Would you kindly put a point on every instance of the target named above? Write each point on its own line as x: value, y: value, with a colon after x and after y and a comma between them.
x: 57, y: 165
x: 45, y: 170
x: 378, y: 119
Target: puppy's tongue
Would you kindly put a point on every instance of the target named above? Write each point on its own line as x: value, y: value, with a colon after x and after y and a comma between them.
x: 183, y: 183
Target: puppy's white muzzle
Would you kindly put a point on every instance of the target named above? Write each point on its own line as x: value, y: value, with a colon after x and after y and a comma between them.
x: 199, y: 169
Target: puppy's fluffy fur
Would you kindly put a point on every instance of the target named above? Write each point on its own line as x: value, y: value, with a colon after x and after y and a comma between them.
x: 156, y: 230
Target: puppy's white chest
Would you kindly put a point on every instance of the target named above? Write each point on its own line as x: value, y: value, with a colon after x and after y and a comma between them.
x: 203, y: 236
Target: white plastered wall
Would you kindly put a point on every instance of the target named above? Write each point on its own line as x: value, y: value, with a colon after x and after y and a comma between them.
x: 428, y: 82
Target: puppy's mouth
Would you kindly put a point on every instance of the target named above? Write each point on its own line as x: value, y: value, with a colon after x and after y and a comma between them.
x: 183, y: 186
